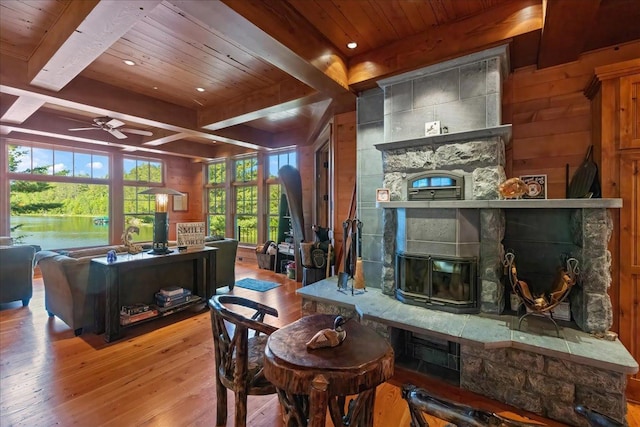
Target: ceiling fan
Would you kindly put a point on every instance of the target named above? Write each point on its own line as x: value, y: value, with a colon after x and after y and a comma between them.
x: 113, y: 126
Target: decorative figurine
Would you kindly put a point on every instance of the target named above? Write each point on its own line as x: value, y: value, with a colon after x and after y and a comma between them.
x: 111, y: 256
x: 513, y: 188
x: 329, y: 337
x: 127, y: 240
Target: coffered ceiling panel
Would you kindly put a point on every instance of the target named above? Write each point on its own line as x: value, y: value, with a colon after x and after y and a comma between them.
x: 174, y: 55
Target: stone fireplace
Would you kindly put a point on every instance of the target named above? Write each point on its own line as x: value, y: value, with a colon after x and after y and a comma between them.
x: 484, y: 352
x: 463, y: 96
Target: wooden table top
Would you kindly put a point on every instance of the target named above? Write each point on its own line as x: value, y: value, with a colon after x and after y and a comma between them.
x: 361, y: 346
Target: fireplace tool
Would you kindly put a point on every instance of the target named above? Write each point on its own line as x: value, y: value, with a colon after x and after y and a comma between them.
x: 352, y: 261
x: 542, y: 304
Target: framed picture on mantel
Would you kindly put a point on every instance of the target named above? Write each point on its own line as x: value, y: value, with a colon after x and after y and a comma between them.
x: 536, y: 186
x: 181, y: 203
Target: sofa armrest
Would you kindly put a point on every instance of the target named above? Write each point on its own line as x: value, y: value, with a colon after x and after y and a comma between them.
x: 16, y: 273
x: 225, y: 261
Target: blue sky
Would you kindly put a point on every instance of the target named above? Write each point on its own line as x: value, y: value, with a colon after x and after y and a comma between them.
x: 78, y: 164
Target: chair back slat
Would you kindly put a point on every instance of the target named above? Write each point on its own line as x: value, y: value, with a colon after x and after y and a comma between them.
x: 238, y: 357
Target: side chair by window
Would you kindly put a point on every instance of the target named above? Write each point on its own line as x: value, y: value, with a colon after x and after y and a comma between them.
x: 239, y: 354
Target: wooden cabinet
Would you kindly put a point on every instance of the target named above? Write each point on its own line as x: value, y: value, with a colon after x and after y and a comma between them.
x: 629, y: 114
x: 614, y: 93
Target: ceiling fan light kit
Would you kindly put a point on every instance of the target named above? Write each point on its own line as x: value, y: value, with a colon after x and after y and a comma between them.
x: 113, y: 126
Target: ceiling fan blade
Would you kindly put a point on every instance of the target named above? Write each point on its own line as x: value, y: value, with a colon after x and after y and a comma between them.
x: 117, y: 133
x: 93, y: 128
x: 114, y: 123
x: 136, y: 131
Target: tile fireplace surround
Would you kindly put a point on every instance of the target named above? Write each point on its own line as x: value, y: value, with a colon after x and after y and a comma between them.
x: 532, y: 368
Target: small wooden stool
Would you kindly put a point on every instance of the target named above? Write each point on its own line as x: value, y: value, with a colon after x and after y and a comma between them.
x: 309, y: 381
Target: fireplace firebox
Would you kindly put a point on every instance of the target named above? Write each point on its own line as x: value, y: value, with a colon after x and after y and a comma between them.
x: 437, y: 282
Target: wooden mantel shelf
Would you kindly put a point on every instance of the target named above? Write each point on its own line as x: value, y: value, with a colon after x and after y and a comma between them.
x: 506, y: 204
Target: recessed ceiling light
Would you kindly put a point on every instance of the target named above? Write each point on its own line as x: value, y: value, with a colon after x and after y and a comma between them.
x: 155, y: 88
x: 129, y: 62
x: 200, y: 89
x: 352, y: 45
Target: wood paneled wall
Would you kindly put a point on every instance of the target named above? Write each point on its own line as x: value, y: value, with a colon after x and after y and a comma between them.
x: 343, y: 149
x: 186, y: 176
x: 552, y: 118
x: 306, y: 165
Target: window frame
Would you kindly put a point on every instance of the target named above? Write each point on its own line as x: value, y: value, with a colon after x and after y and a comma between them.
x: 267, y: 211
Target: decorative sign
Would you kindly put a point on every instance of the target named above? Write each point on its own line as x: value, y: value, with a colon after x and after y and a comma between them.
x: 432, y: 128
x: 536, y: 186
x: 191, y: 234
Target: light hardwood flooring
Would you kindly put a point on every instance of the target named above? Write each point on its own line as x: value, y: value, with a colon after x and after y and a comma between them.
x: 160, y: 374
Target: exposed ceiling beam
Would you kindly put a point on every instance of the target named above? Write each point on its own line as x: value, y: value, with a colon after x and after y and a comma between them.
x: 523, y: 49
x: 164, y: 138
x: 275, y: 99
x: 565, y: 30
x: 32, y: 135
x: 22, y: 109
x: 285, y: 40
x: 50, y: 125
x: 84, y: 31
x: 495, y: 26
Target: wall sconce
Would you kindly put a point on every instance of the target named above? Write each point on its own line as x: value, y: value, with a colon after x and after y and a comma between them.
x: 161, y: 219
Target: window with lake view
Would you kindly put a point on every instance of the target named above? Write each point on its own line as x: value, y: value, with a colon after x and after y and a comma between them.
x: 59, y: 196
x: 55, y: 195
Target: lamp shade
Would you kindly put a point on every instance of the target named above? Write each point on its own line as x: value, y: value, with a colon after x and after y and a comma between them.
x: 161, y: 190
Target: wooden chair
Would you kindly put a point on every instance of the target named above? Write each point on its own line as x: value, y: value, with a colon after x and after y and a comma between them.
x: 239, y: 356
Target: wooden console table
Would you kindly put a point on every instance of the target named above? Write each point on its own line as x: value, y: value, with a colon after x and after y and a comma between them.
x: 309, y: 381
x: 136, y: 278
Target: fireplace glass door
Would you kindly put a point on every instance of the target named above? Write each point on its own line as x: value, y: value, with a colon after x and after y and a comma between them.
x: 445, y: 283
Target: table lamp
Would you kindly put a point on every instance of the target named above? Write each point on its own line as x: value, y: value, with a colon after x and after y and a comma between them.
x: 161, y: 219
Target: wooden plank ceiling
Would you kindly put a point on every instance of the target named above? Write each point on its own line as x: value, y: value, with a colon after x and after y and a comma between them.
x: 271, y: 71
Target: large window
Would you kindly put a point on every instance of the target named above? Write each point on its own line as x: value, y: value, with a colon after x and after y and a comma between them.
x: 217, y: 198
x: 246, y: 199
x: 275, y: 162
x: 59, y: 197
x: 138, y: 175
x: 240, y: 203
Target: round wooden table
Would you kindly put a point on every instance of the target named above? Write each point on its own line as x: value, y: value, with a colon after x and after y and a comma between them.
x: 309, y: 381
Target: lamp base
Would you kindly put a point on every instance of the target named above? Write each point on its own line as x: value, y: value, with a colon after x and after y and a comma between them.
x: 160, y: 251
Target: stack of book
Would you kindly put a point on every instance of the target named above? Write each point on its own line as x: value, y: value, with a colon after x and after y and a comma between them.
x: 169, y: 298
x: 135, y: 313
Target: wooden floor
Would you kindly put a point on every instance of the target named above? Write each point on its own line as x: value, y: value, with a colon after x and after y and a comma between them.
x: 160, y: 374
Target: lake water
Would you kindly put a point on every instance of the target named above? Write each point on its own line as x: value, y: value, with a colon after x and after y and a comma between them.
x: 61, y: 232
